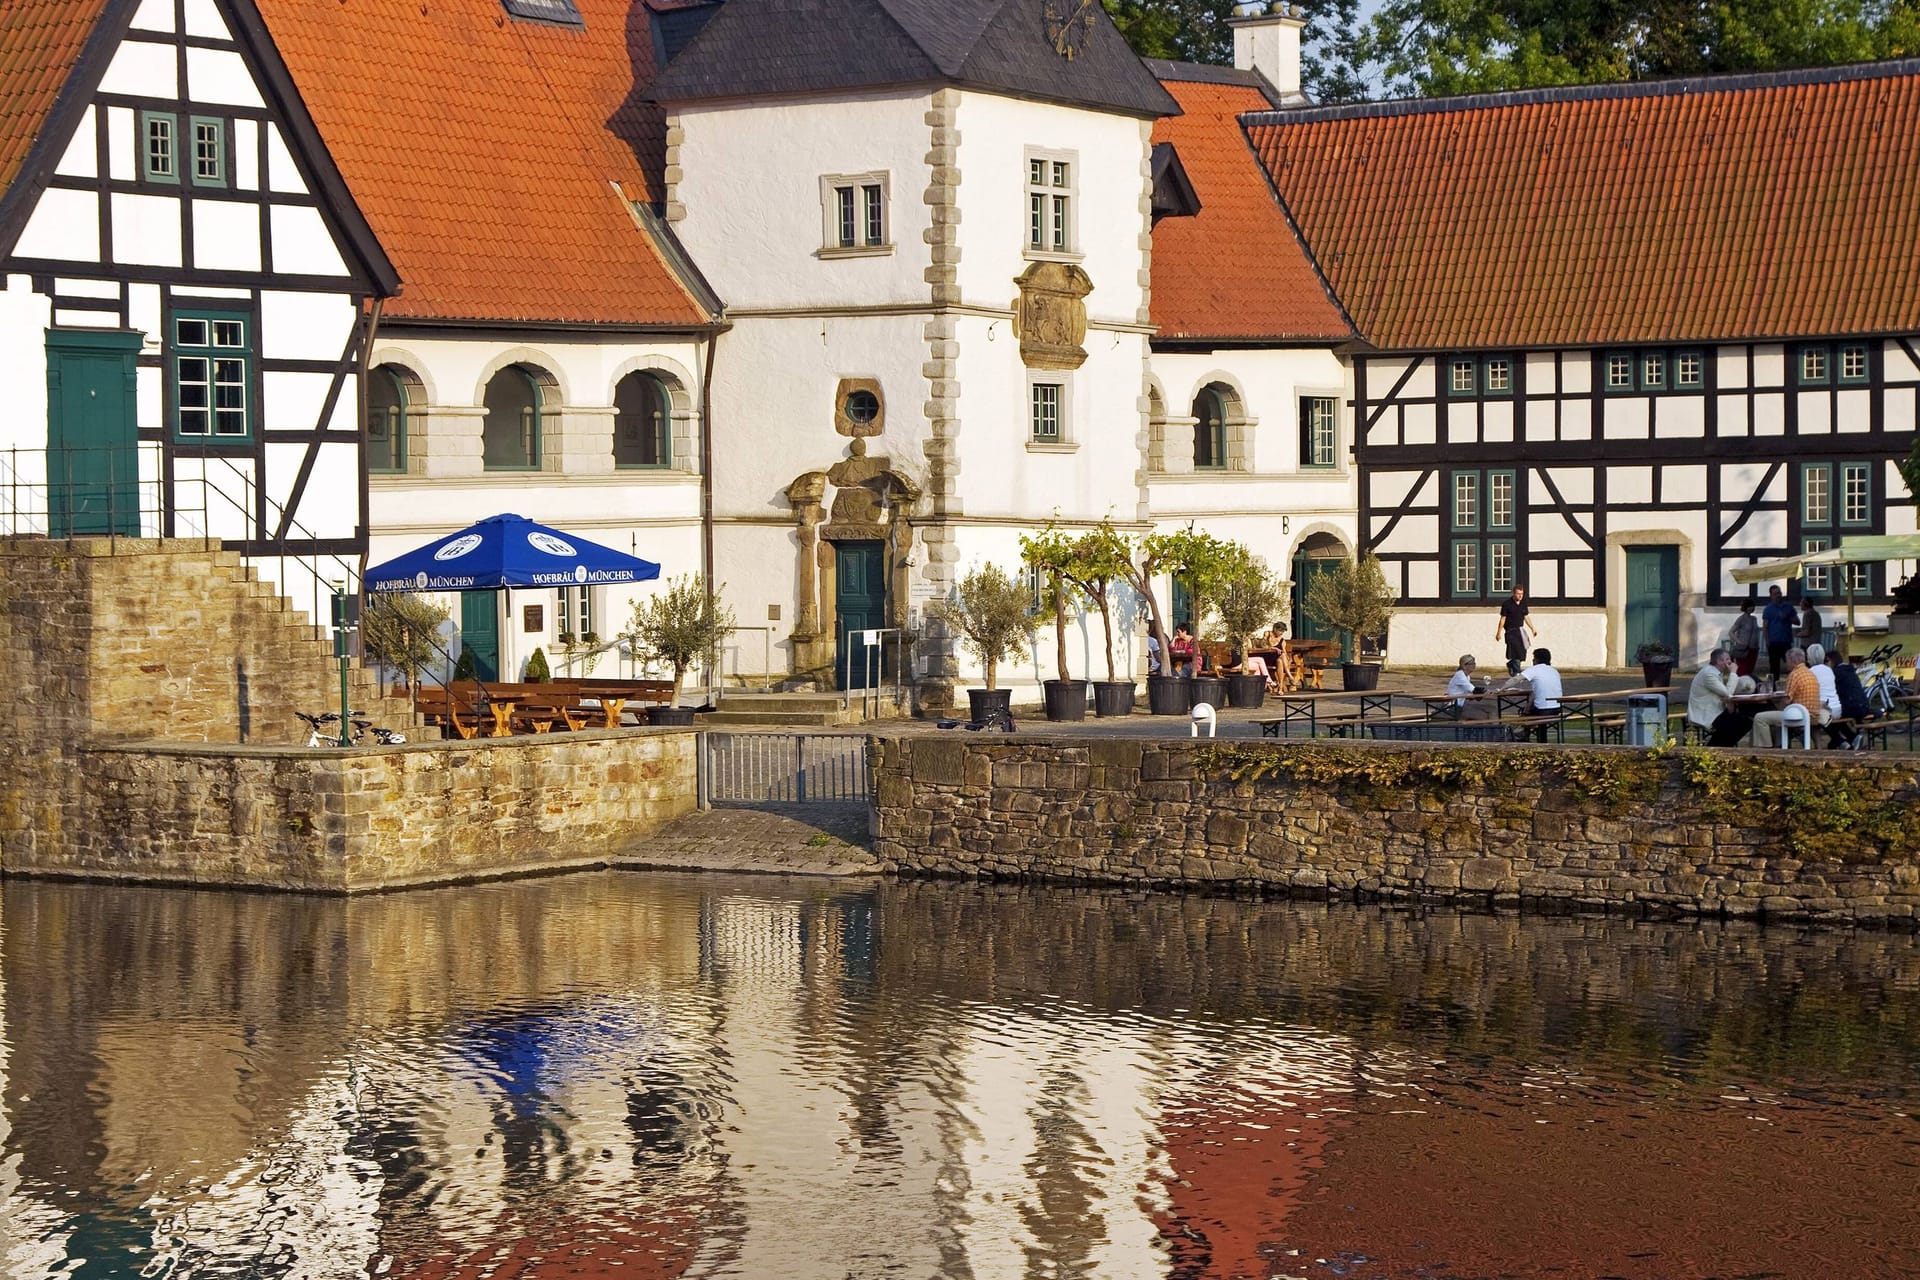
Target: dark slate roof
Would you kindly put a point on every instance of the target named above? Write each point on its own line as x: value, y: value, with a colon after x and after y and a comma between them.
x: 753, y: 48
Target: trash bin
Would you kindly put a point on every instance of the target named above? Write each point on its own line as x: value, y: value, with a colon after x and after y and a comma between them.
x: 1646, y: 719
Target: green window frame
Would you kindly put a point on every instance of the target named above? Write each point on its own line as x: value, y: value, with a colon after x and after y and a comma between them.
x: 1319, y: 432
x: 1816, y: 494
x: 207, y: 136
x: 1501, y: 566
x: 642, y: 423
x: 1464, y: 499
x: 1814, y: 365
x: 1463, y: 376
x: 1502, y: 499
x: 1651, y: 368
x: 508, y: 445
x: 388, y: 405
x: 1854, y: 364
x: 1496, y: 375
x: 1465, y: 570
x: 1816, y: 581
x: 160, y: 147
x: 1689, y: 370
x: 1854, y: 494
x: 1047, y: 407
x: 1483, y: 502
x: 1616, y: 372
x: 210, y: 374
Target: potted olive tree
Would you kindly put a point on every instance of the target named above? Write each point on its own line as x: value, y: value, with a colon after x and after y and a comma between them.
x: 1167, y: 694
x: 990, y: 613
x: 1206, y: 564
x: 679, y: 626
x: 1352, y: 598
x: 1100, y: 559
x: 1050, y: 554
x: 402, y: 633
x: 1656, y: 663
x: 1248, y: 600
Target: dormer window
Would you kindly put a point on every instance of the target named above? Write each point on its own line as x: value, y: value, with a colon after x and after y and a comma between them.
x: 560, y: 12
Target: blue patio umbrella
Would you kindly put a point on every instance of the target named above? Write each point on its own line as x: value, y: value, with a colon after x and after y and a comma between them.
x: 508, y: 551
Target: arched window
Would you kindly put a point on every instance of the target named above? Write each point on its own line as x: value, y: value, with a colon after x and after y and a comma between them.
x: 642, y: 422
x: 387, y: 408
x: 1209, y: 431
x: 511, y: 436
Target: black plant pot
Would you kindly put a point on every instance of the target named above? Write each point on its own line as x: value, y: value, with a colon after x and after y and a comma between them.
x: 1359, y: 677
x: 1211, y: 690
x: 1659, y: 674
x: 1112, y: 698
x: 1169, y: 695
x: 670, y: 717
x: 1066, y: 699
x: 981, y: 702
x: 1246, y: 691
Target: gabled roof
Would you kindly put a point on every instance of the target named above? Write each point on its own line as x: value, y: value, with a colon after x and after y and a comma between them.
x: 496, y: 158
x: 753, y: 48
x: 52, y: 55
x: 1234, y: 272
x: 40, y: 44
x: 1767, y: 206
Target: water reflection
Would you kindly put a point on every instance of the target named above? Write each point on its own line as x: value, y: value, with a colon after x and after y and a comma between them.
x: 698, y: 1076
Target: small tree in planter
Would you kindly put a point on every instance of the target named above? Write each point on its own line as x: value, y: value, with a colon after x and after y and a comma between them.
x: 1656, y: 663
x: 537, y: 669
x: 402, y: 633
x: 1248, y: 600
x: 1101, y: 558
x: 990, y: 613
x: 679, y: 626
x: 1354, y: 599
x: 1051, y: 554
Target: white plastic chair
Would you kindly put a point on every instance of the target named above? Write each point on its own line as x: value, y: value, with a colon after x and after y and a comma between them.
x: 1203, y: 713
x: 1795, y: 717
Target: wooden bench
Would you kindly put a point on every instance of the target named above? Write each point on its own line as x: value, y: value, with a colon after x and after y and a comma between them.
x: 1874, y: 732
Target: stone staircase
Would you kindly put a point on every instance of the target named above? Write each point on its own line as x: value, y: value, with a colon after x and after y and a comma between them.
x: 741, y: 709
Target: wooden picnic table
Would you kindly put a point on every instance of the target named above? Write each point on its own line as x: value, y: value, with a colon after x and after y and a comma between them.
x: 502, y: 713
x: 1297, y: 707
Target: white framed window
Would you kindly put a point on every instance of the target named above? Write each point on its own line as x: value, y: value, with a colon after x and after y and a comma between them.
x: 1653, y: 372
x: 1499, y: 375
x: 159, y: 146
x: 212, y: 361
x: 855, y: 221
x: 1500, y: 566
x: 1466, y: 568
x: 1460, y: 376
x: 1051, y: 207
x: 1047, y: 411
x: 1619, y: 372
x: 1856, y: 493
x: 1853, y: 364
x: 1813, y: 364
x: 1500, y: 499
x: 209, y: 151
x: 575, y: 612
x: 1466, y: 500
x: 1816, y: 494
x: 1688, y: 369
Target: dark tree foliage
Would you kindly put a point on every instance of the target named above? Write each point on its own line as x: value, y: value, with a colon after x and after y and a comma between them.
x: 1188, y: 30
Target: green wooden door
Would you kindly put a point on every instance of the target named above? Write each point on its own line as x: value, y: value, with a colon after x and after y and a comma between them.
x: 480, y: 631
x: 93, y: 457
x: 860, y: 604
x: 1305, y: 569
x: 1653, y: 598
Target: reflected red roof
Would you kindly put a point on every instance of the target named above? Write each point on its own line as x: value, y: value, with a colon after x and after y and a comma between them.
x: 494, y: 156
x: 1236, y: 270
x: 1722, y: 208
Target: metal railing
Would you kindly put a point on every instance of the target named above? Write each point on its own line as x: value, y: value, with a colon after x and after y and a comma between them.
x: 868, y: 662
x: 126, y: 493
x: 783, y: 768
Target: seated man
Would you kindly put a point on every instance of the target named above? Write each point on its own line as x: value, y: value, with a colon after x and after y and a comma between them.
x: 1853, y: 701
x: 1459, y: 688
x: 1544, y: 680
x: 1802, y: 688
x: 1707, y: 698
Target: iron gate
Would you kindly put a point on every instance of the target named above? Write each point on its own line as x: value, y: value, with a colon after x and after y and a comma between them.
x: 783, y: 768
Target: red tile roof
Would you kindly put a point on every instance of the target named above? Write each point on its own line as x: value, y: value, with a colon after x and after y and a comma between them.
x: 40, y: 41
x: 485, y: 151
x: 1751, y: 207
x: 1235, y: 271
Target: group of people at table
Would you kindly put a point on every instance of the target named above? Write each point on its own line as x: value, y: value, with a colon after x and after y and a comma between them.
x: 1266, y: 656
x: 1733, y: 710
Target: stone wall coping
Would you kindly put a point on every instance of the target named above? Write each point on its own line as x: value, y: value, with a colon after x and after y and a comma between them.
x: 50, y: 548
x: 279, y: 751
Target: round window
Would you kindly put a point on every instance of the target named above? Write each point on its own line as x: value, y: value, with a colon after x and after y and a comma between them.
x: 862, y: 407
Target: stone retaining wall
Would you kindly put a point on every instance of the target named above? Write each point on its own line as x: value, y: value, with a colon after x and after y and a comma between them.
x: 1689, y: 832
x: 355, y: 820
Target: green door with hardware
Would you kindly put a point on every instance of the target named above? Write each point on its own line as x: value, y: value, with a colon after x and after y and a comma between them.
x: 860, y: 600
x: 1653, y: 598
x: 480, y: 631
x: 93, y: 455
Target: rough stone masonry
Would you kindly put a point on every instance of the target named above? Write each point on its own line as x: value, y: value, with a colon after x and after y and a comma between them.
x: 1609, y: 828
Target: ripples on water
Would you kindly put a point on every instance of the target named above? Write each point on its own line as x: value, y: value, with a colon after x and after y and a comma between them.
x: 653, y: 1076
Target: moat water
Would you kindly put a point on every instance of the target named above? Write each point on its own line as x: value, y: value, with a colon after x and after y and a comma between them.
x: 659, y: 1076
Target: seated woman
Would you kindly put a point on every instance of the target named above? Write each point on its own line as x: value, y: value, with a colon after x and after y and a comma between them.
x: 1246, y: 664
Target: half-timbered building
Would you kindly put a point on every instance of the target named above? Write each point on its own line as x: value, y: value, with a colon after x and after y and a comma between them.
x: 186, y: 293
x: 1616, y: 340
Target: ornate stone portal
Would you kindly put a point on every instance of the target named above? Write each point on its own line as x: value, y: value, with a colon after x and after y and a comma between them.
x: 871, y: 502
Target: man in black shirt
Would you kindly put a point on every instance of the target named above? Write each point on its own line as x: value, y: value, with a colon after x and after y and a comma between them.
x: 1515, y: 625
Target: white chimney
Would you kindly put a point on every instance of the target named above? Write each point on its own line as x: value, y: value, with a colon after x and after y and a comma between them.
x: 1266, y: 38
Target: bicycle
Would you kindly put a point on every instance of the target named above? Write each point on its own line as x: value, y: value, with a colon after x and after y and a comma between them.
x: 323, y: 734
